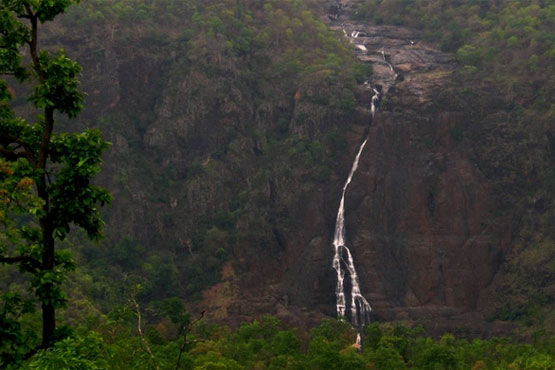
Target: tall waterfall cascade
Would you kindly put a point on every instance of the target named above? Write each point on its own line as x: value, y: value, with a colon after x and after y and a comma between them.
x: 401, y: 66
x: 352, y: 305
x: 343, y: 262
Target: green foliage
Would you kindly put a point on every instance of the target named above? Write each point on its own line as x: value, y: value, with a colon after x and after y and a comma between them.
x: 512, y: 40
x: 387, y: 358
x: 45, y: 178
x: 362, y: 72
x: 263, y: 344
x: 17, y: 340
x: 237, y: 66
x: 73, y: 199
x: 469, y: 55
x: 80, y: 352
x: 58, y: 87
x: 174, y: 309
x: 128, y: 253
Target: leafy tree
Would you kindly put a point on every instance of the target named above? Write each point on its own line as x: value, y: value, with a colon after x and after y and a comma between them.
x: 324, y: 354
x: 45, y: 176
x: 469, y: 55
x: 286, y: 343
x: 387, y: 358
x: 78, y: 352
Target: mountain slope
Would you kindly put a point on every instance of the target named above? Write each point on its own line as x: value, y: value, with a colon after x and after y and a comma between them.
x: 234, y: 125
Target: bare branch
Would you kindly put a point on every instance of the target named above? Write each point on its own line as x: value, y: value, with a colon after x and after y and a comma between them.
x: 11, y: 154
x: 187, y: 342
x: 33, y: 42
x: 21, y: 259
x: 48, y: 177
x: 28, y: 152
x: 142, y: 333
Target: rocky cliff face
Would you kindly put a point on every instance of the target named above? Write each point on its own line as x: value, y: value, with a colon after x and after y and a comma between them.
x: 248, y: 190
x: 433, y: 233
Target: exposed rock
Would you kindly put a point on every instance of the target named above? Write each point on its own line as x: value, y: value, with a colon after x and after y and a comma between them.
x: 416, y: 209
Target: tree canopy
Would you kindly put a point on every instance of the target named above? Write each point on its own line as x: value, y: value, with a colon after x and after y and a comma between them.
x: 45, y: 176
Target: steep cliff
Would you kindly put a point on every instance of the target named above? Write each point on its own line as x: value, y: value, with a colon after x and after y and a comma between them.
x: 234, y: 127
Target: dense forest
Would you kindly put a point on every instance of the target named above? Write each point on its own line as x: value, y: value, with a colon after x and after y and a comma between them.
x: 231, y: 125
x: 262, y: 344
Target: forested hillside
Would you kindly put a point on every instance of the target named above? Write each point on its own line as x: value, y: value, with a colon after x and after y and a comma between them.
x: 233, y: 126
x: 209, y: 109
x: 506, y: 55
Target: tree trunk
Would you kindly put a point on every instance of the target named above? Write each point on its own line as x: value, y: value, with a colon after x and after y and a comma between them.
x: 48, y: 309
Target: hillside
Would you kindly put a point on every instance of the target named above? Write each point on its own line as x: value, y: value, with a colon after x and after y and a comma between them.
x: 234, y: 125
x: 233, y: 128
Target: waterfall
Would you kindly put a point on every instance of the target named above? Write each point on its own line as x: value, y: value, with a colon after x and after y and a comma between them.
x: 375, y: 102
x: 357, y: 307
x: 387, y: 62
x: 343, y: 259
x: 343, y: 262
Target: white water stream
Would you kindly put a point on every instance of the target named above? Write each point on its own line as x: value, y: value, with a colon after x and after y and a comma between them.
x: 343, y: 262
x: 385, y: 60
x: 352, y: 305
